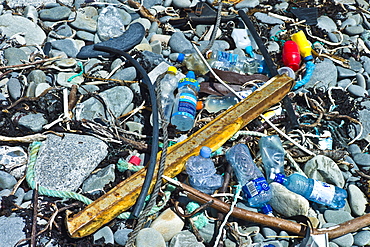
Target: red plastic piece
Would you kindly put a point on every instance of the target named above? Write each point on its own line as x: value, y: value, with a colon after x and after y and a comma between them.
x: 135, y: 160
x: 291, y: 55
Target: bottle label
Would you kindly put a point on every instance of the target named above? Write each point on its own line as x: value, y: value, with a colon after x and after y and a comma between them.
x: 187, y: 105
x: 254, y: 187
x: 322, y: 192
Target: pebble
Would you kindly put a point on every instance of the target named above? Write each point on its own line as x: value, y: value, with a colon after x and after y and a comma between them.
x: 168, y: 224
x: 185, y: 238
x: 83, y: 22
x: 40, y: 88
x: 13, y: 159
x: 110, y: 23
x: 325, y: 74
x: 79, y: 154
x: 247, y: 4
x: 121, y: 236
x: 14, y: 56
x: 149, y: 237
x: 357, y: 91
x: 344, y: 241
x: 181, y: 3
x: 97, y: 181
x: 179, y: 43
x: 286, y: 202
x: 69, y: 46
x: 11, y: 237
x: 324, y: 169
x: 105, y: 233
x: 357, y: 200
x: 337, y: 216
x: 33, y: 121
x: 7, y: 181
x: 55, y: 14
x: 15, y: 88
x: 265, y: 18
x: 345, y: 73
x: 361, y: 238
x: 326, y: 23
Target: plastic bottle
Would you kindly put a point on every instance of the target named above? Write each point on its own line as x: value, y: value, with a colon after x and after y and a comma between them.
x: 272, y: 153
x: 168, y: 85
x: 314, y: 190
x: 214, y: 103
x: 242, y: 40
x: 303, y: 44
x: 202, y: 172
x: 255, y: 187
x: 193, y: 62
x: 185, y: 103
x: 291, y: 55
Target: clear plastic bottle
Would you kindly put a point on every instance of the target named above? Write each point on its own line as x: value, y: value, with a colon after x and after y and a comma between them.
x: 168, y: 85
x: 202, y: 172
x: 185, y: 104
x: 193, y: 62
x: 314, y: 190
x: 255, y: 187
x: 272, y: 153
x: 215, y: 103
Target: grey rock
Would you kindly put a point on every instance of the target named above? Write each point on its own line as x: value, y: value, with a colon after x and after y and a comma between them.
x: 15, y: 88
x: 168, y: 223
x: 19, y: 194
x: 362, y: 159
x: 149, y: 237
x: 121, y: 236
x: 286, y: 202
x: 30, y: 12
x: 37, y: 76
x: 179, y: 43
x: 361, y: 81
x: 40, y: 88
x: 110, y: 23
x: 14, y: 159
x: 354, y: 30
x: 361, y: 238
x: 185, y: 238
x: 181, y: 3
x: 33, y: 121
x: 326, y: 23
x: 63, y: 77
x: 331, y: 244
x: 217, y: 45
x: 98, y: 180
x: 152, y: 59
x: 357, y: 200
x: 272, y: 47
x: 14, y: 56
x: 11, y: 230
x: 143, y: 21
x: 344, y: 241
x: 7, y: 181
x: 357, y: 91
x: 85, y: 36
x: 85, y: 89
x: 207, y: 232
x: 364, y: 118
x: 12, y: 24
x: 247, y: 4
x: 69, y: 46
x: 281, y: 7
x: 28, y: 195
x: 354, y: 149
x: 83, y: 22
x: 117, y: 99
x: 258, y: 238
x: 268, y: 231
x: 265, y: 18
x: 79, y: 154
x: 324, y: 169
x: 325, y: 73
x: 345, y: 73
x: 355, y: 65
x: 337, y: 216
x: 153, y: 28
x: 55, y: 14
x: 66, y: 63
x: 156, y: 47
x: 127, y: 74
x: 344, y: 83
x: 105, y: 233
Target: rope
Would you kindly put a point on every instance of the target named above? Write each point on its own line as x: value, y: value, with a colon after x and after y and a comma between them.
x: 30, y: 178
x: 143, y: 216
x: 214, y: 32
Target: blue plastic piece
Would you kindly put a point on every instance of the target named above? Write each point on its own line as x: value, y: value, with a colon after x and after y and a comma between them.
x: 310, y: 67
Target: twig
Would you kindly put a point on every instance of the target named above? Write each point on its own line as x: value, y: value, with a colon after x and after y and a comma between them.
x: 143, y: 11
x: 26, y: 139
x: 16, y: 186
x: 34, y: 218
x: 20, y: 66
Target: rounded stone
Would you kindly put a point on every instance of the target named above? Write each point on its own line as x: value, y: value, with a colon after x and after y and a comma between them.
x: 7, y: 181
x: 362, y: 238
x: 168, y: 224
x: 357, y: 200
x: 121, y: 236
x: 149, y: 237
x: 105, y: 233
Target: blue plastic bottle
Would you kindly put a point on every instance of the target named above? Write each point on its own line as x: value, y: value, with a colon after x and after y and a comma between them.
x: 184, y: 110
x: 255, y: 187
x: 202, y: 172
x: 314, y: 190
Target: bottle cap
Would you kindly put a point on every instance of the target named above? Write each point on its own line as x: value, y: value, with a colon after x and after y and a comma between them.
x: 287, y: 70
x: 249, y: 51
x: 200, y: 105
x: 205, y: 152
x: 191, y: 75
x: 279, y: 178
x: 172, y: 70
x: 181, y: 57
x: 135, y: 160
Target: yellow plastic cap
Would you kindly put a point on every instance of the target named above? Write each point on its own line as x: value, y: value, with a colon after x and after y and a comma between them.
x: 172, y: 69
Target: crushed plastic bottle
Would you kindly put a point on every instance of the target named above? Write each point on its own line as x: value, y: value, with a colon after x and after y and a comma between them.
x: 185, y: 104
x: 314, y: 190
x: 272, y: 153
x: 214, y: 103
x: 192, y: 61
x: 202, y: 172
x: 254, y: 186
x: 168, y: 85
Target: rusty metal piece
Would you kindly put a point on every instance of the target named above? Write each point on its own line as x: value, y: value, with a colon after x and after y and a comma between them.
x: 213, y: 135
